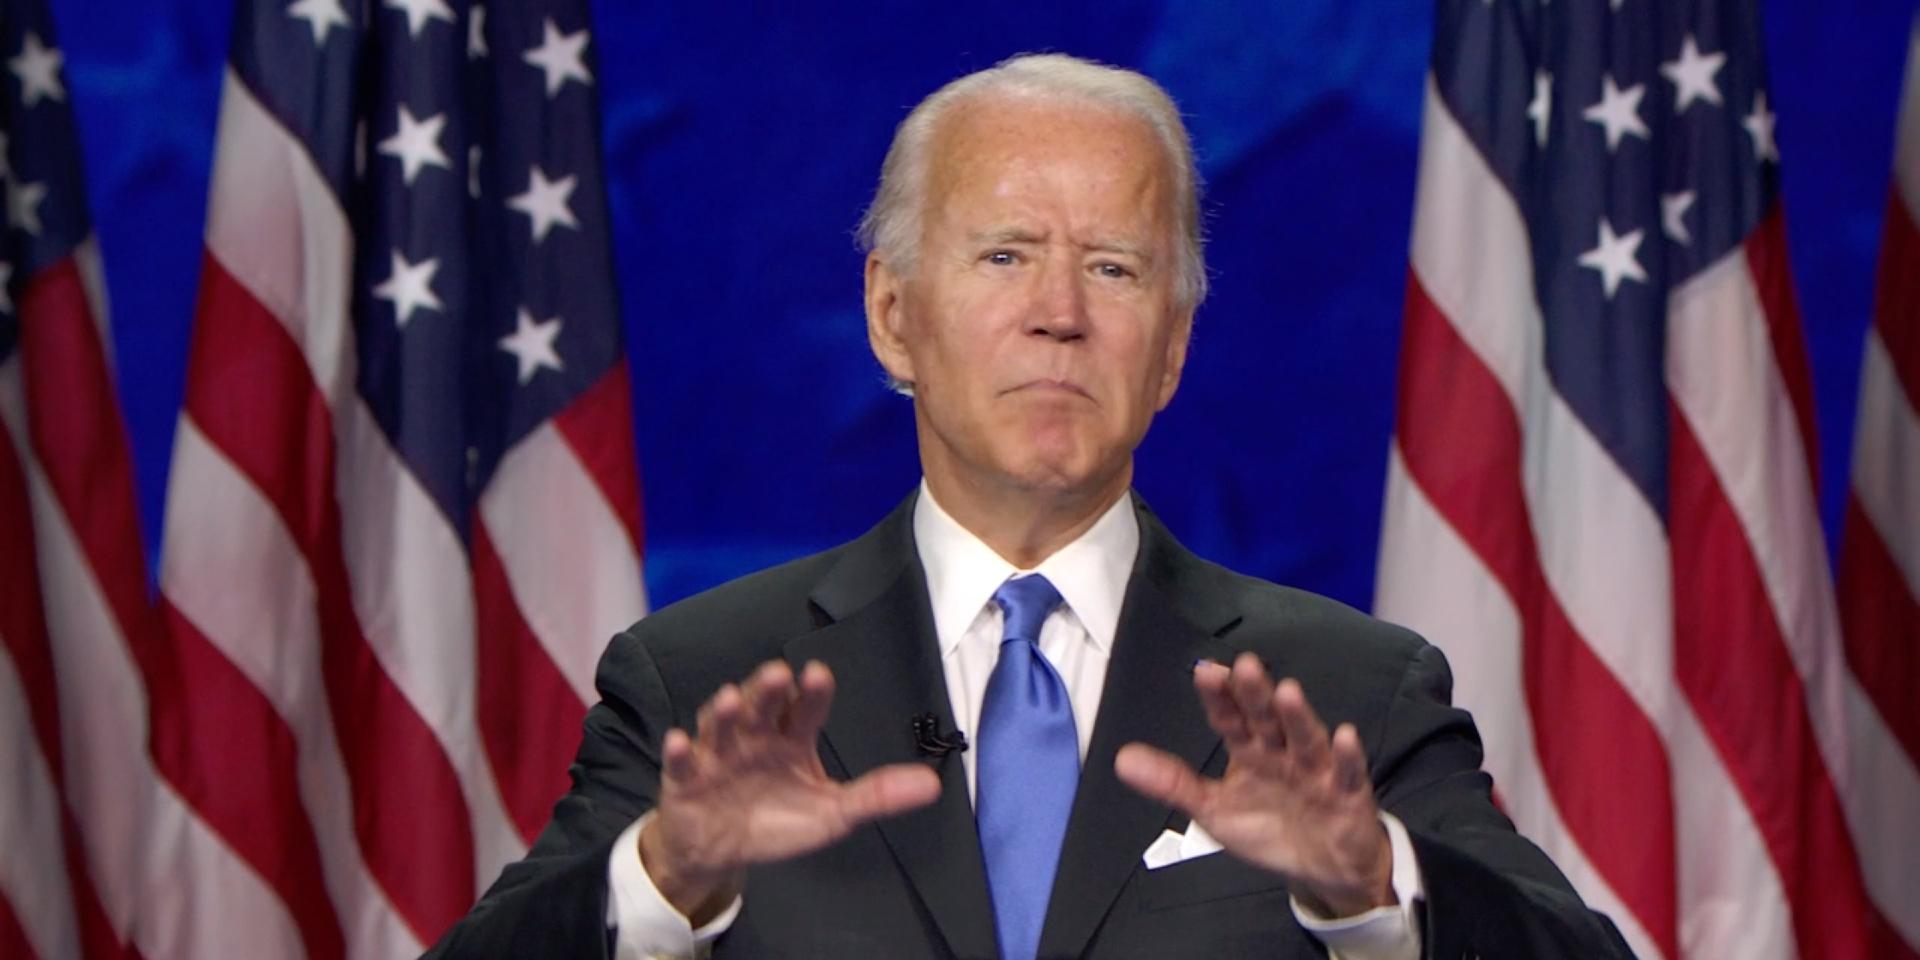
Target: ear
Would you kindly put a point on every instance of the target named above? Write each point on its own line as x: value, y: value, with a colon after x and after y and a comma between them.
x: 886, y: 319
x: 1176, y: 358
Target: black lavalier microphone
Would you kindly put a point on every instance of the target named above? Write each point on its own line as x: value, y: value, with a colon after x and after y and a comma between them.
x: 928, y: 740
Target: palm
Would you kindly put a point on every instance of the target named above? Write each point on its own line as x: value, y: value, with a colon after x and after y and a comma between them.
x: 1292, y: 800
x: 749, y: 788
x: 1286, y: 820
x: 769, y: 803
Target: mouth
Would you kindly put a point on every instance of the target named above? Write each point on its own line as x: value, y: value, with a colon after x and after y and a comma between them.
x: 1048, y: 386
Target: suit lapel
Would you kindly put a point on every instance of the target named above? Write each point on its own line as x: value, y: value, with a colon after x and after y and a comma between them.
x: 878, y: 638
x: 1148, y: 698
x: 885, y: 659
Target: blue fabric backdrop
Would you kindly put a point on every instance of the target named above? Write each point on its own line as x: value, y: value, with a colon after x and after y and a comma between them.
x: 742, y: 143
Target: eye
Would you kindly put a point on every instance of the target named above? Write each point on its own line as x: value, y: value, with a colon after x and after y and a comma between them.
x: 1113, y: 271
x: 1002, y: 258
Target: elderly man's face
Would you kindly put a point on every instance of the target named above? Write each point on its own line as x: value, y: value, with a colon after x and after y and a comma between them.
x: 1039, y: 327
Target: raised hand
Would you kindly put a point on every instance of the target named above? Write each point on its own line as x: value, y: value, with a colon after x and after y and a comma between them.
x: 1292, y: 800
x: 749, y: 788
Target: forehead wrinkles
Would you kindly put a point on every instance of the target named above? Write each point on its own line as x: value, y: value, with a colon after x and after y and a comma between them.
x: 1035, y: 155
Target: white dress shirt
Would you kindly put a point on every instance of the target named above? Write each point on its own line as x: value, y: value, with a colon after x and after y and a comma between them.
x: 962, y: 572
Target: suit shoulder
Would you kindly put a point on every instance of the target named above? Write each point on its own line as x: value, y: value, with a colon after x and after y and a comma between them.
x: 1275, y: 610
x: 758, y: 611
x: 1354, y: 666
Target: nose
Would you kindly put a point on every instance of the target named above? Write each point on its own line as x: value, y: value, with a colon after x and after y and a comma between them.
x: 1059, y: 309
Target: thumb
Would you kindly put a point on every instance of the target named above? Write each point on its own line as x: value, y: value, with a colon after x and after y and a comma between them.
x: 1159, y: 775
x: 889, y: 790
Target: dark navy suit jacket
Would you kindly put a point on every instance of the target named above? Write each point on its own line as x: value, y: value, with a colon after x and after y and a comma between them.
x: 914, y: 886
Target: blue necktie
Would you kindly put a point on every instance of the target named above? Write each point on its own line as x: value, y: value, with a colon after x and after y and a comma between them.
x: 1028, y: 770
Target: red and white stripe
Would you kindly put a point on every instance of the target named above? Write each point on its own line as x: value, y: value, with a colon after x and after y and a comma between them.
x: 1666, y: 706
x: 102, y: 806
x: 96, y: 822
x: 74, y: 615
x: 399, y: 715
x: 1880, y: 543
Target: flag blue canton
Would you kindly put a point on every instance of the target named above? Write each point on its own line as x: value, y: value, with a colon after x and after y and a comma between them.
x: 1637, y: 137
x: 43, y: 206
x: 461, y: 139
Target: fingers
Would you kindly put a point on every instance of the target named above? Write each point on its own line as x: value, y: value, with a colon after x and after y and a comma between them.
x: 1349, y: 761
x: 718, y: 722
x: 1254, y: 716
x: 768, y: 693
x: 1252, y: 692
x: 769, y: 709
x: 1210, y: 682
x: 814, y: 697
x: 676, y: 756
x: 1300, y: 727
x: 887, y: 791
x: 1161, y: 776
x: 786, y: 706
x: 1238, y: 701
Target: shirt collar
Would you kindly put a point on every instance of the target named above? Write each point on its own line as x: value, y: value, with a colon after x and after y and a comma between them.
x: 963, y: 572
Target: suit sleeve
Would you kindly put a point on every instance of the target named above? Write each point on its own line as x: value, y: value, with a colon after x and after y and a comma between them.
x: 1490, y: 892
x: 553, y: 903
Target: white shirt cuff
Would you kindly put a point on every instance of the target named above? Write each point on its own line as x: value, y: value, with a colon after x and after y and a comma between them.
x: 1383, y: 933
x: 645, y: 926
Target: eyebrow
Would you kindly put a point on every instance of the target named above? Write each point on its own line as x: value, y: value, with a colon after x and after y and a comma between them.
x: 1022, y: 235
x: 1120, y: 247
x: 1006, y: 235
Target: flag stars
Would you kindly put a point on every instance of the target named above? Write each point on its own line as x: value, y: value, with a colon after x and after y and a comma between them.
x: 419, y: 12
x: 38, y: 68
x: 409, y: 287
x: 321, y: 15
x: 1540, y: 110
x: 531, y: 344
x: 416, y: 144
x: 1618, y: 111
x: 476, y: 32
x: 23, y: 205
x: 1692, y: 75
x: 559, y: 55
x: 545, y: 203
x: 1759, y: 124
x: 1615, y: 258
x: 1673, y: 214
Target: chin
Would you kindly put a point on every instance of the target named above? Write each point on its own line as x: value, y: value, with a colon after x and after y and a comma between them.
x: 1057, y: 473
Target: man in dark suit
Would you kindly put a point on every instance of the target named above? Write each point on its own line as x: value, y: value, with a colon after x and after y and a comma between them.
x: 1137, y: 784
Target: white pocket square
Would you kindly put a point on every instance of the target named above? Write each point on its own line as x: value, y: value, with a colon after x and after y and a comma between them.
x: 1172, y: 848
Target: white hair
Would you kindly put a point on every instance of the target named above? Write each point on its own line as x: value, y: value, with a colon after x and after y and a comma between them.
x: 891, y: 226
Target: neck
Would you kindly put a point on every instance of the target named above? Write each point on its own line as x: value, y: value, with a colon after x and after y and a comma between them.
x: 1024, y: 525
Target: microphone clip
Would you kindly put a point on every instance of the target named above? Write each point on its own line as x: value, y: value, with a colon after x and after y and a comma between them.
x: 928, y: 741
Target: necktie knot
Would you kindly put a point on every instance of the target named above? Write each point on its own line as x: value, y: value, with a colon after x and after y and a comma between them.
x: 1026, y: 601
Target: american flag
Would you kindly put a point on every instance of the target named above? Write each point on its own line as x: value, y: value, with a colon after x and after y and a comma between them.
x: 77, y: 646
x: 403, y: 512
x: 1601, y: 492
x: 1880, y: 540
